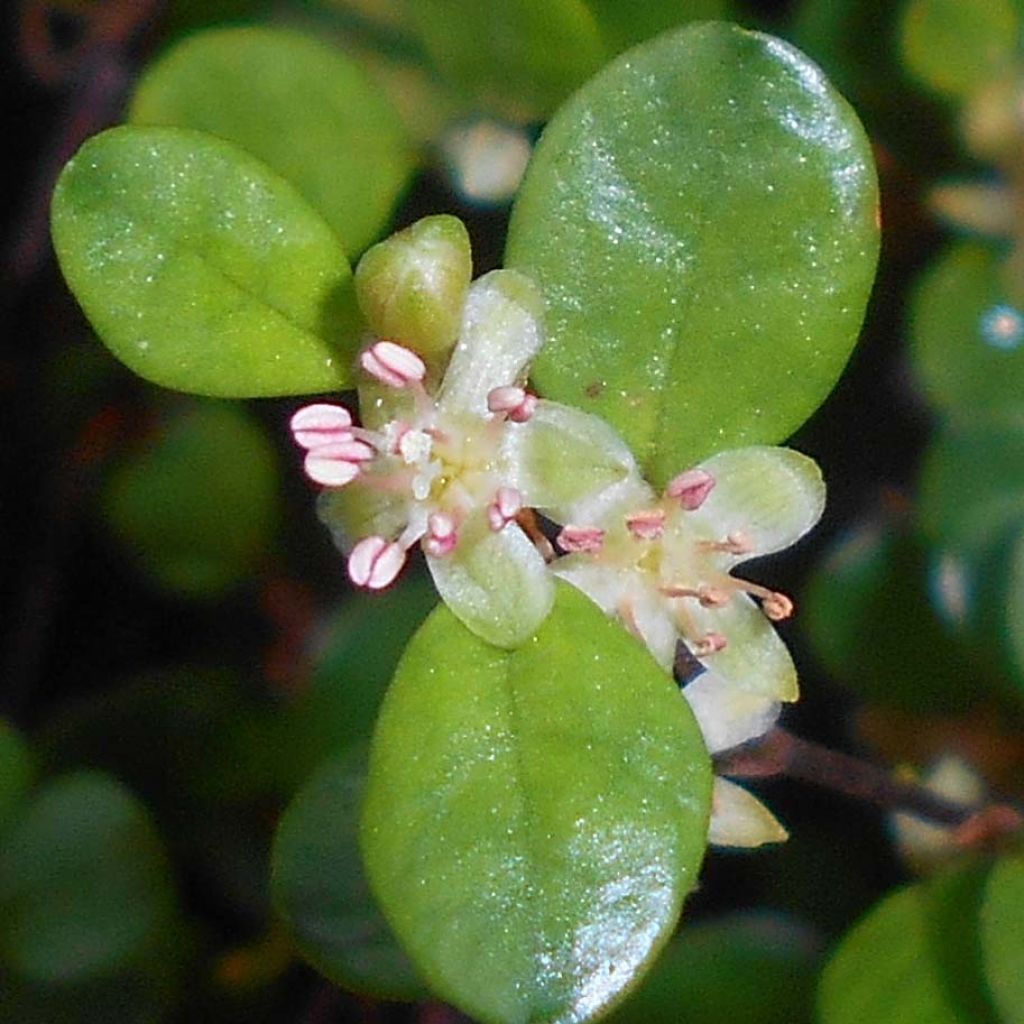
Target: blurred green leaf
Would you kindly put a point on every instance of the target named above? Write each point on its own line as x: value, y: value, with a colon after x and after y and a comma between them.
x: 304, y: 108
x: 996, y: 582
x: 85, y: 886
x: 868, y: 617
x: 16, y: 771
x: 1002, y: 938
x: 623, y: 25
x: 534, y: 817
x: 200, y: 268
x: 890, y: 969
x: 718, y: 201
x: 516, y: 58
x: 752, y: 968
x: 319, y: 886
x: 967, y: 339
x: 198, y: 504
x: 958, y: 45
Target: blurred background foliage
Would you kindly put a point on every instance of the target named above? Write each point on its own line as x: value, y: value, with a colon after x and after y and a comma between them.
x: 184, y: 674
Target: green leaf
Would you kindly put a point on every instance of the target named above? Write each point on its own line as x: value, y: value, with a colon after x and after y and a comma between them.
x: 85, y: 886
x: 955, y: 46
x: 718, y: 201
x: 1002, y: 938
x: 320, y: 889
x: 997, y: 584
x: 753, y: 968
x: 967, y: 337
x: 534, y: 817
x: 869, y: 620
x: 623, y: 25
x: 197, y: 505
x: 201, y: 269
x: 886, y: 969
x: 516, y: 58
x: 16, y: 772
x: 305, y: 109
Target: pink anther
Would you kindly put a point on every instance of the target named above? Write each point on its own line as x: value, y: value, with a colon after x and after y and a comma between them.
x: 441, y: 536
x: 691, y: 488
x: 320, y: 424
x: 648, y: 524
x: 393, y: 364
x: 710, y: 643
x: 518, y: 405
x: 507, y: 503
x: 337, y: 463
x: 712, y: 597
x: 777, y: 606
x: 587, y: 540
x: 374, y: 562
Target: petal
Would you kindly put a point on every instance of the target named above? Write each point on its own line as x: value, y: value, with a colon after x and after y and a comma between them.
x: 500, y: 333
x: 728, y: 716
x: 773, y: 495
x: 497, y: 583
x: 738, y: 818
x: 358, y: 511
x: 561, y: 457
x: 380, y: 404
x: 755, y: 660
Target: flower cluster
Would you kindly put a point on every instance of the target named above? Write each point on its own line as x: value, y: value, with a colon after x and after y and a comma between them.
x: 452, y: 453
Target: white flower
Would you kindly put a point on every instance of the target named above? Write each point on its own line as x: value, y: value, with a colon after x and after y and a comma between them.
x: 662, y: 565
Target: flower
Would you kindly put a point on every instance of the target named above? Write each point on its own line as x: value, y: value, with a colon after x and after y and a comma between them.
x: 451, y: 447
x: 662, y: 565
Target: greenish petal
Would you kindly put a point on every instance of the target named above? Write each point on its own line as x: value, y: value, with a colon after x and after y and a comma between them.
x: 497, y: 584
x: 358, y: 511
x: 755, y: 660
x: 380, y: 404
x: 727, y: 715
x: 562, y: 456
x: 772, y: 495
x: 739, y: 819
x: 500, y: 333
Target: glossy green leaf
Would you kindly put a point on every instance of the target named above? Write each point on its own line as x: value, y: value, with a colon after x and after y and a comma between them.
x: 967, y: 337
x: 1002, y: 938
x: 200, y: 268
x: 623, y: 25
x: 868, y: 617
x: 516, y: 58
x: 752, y: 968
x: 16, y: 771
x: 305, y: 109
x: 85, y: 886
x: 958, y: 45
x: 197, y: 505
x: 320, y: 889
x: 886, y: 969
x: 701, y: 217
x: 534, y: 817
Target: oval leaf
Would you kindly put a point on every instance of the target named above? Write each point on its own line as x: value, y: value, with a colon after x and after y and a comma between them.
x: 319, y: 887
x: 201, y: 269
x: 1002, y: 938
x: 197, y: 506
x: 301, y: 106
x: 534, y: 817
x: 701, y: 217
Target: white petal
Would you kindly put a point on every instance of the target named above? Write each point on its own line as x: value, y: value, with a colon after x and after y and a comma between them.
x: 562, y: 459
x: 726, y: 715
x: 358, y: 511
x: 500, y: 333
x: 497, y: 584
x: 739, y: 819
x: 773, y: 495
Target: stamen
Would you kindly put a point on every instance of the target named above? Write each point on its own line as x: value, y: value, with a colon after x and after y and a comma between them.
x: 708, y: 596
x: 507, y: 503
x: 587, y: 540
x: 337, y: 463
x: 734, y: 544
x: 648, y: 524
x: 374, y: 563
x: 393, y: 364
x: 710, y: 643
x: 691, y: 488
x: 518, y: 405
x: 441, y: 536
x: 320, y: 424
x: 777, y: 607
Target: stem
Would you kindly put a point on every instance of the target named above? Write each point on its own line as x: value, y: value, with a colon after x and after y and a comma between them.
x: 780, y: 753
